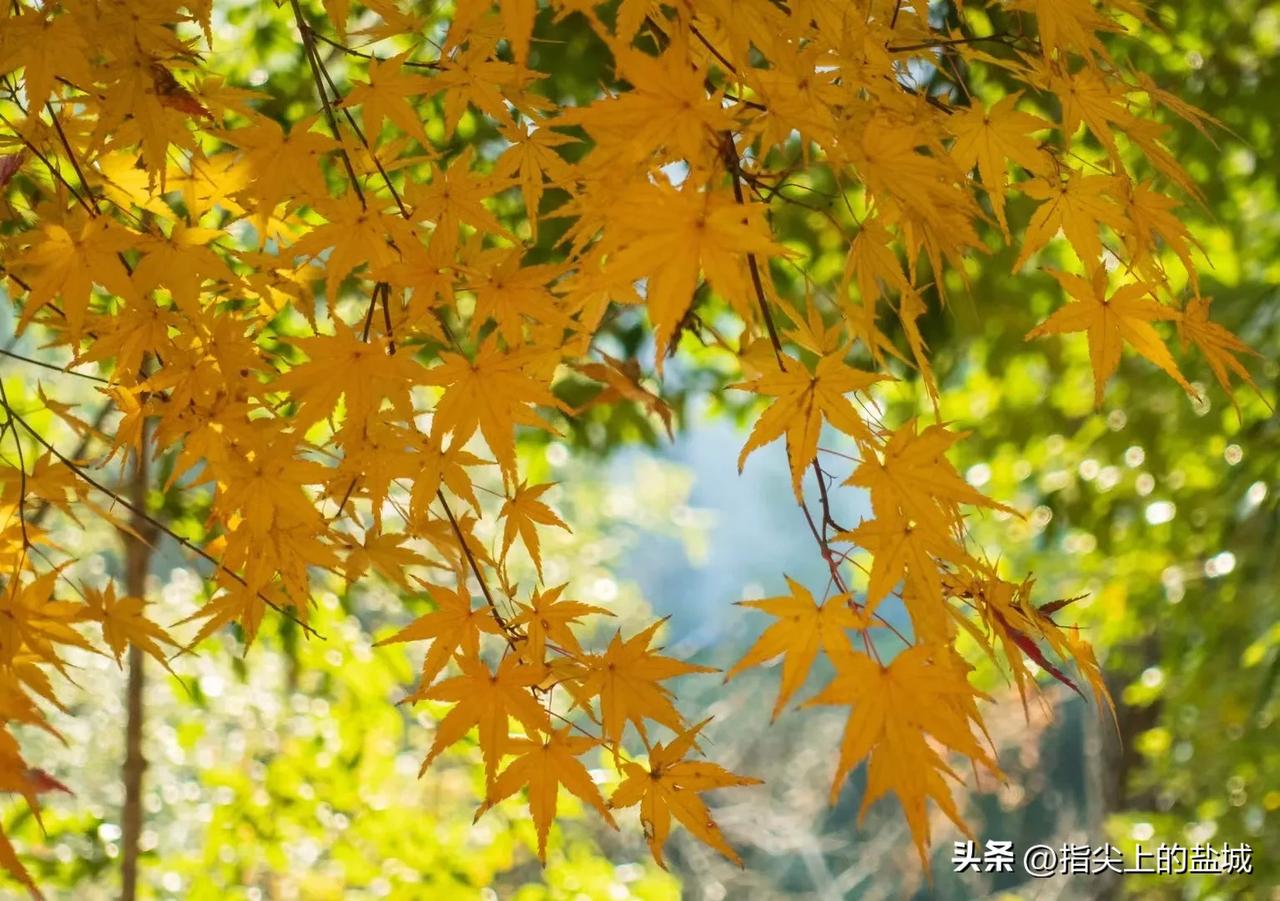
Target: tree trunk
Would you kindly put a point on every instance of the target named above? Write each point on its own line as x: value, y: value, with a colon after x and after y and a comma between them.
x: 134, y: 765
x: 137, y: 559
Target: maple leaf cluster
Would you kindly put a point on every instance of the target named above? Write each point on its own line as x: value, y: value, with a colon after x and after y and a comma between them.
x: 335, y: 327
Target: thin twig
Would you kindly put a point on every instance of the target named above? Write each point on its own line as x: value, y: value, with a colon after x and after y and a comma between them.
x: 475, y: 568
x: 416, y: 64
x: 75, y: 163
x: 53, y: 366
x: 22, y: 474
x: 1000, y: 38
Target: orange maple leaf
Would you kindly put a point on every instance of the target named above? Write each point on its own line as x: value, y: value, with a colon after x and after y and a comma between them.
x: 9, y: 860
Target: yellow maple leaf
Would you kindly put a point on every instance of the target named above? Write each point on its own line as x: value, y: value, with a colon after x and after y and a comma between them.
x: 473, y: 77
x: 434, y: 467
x: 991, y: 137
x: 626, y: 679
x: 46, y: 48
x: 455, y: 196
x: 1219, y: 346
x: 911, y: 476
x: 453, y: 627
x: 385, y: 553
x: 542, y: 765
x: 1111, y: 321
x: 124, y: 623
x: 137, y: 326
x: 1082, y: 652
x: 494, y: 393
x: 522, y: 513
x: 338, y: 12
x: 548, y: 617
x: 670, y: 236
x: 181, y: 261
x: 355, y: 235
x: 237, y: 603
x: 804, y: 401
x: 532, y: 159
x: 517, y: 22
x: 668, y: 107
x: 873, y: 264
x: 64, y: 260
x: 669, y: 786
x: 279, y: 164
x: 1077, y: 204
x: 511, y: 292
x: 263, y: 482
x: 1068, y: 26
x: 911, y: 307
x: 485, y: 700
x: 907, y: 552
x: 386, y: 96
x: 362, y: 372
x: 1099, y: 102
x: 923, y: 693
x: 37, y: 622
x: 1154, y: 220
x: 802, y: 628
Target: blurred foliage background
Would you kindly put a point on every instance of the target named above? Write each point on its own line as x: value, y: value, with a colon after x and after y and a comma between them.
x: 284, y: 773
